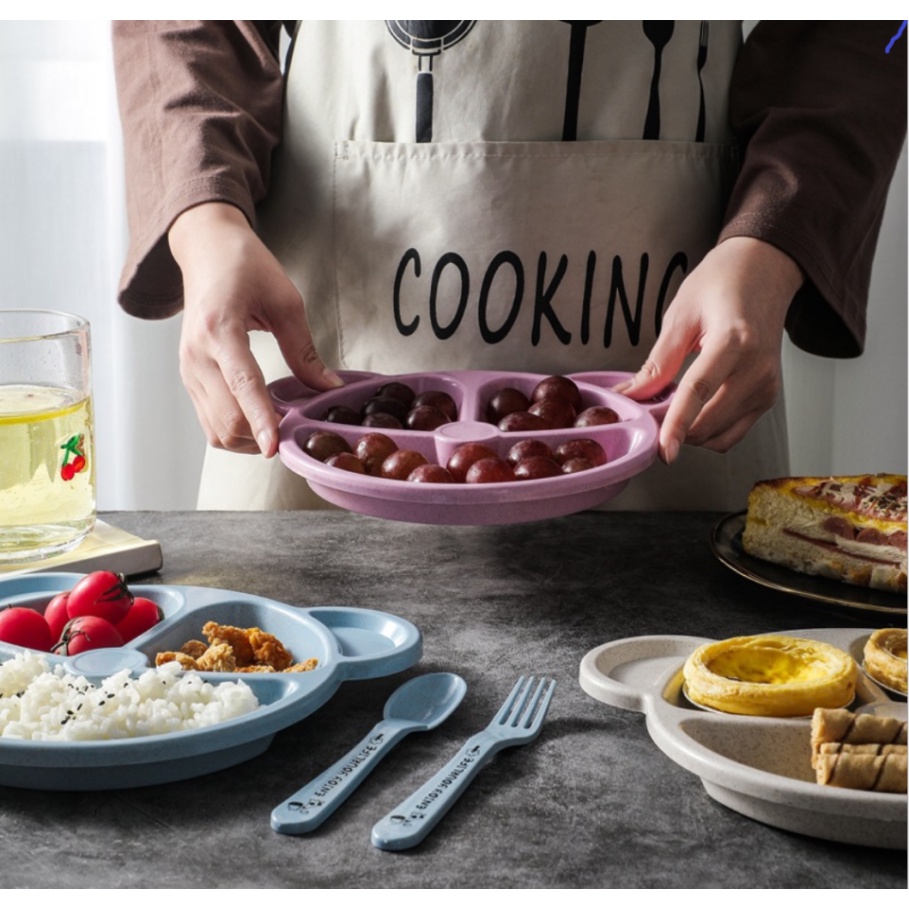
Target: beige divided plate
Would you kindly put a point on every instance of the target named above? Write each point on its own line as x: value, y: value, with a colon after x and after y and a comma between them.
x: 758, y: 766
x: 726, y: 543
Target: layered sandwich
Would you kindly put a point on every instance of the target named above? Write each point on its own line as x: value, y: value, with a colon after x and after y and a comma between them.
x: 852, y: 529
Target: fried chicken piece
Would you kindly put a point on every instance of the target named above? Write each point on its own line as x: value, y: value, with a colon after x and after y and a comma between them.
x: 195, y: 649
x: 170, y: 656
x: 219, y: 657
x: 251, y: 646
x: 296, y: 667
x: 234, y: 649
x: 236, y: 638
x: 268, y: 650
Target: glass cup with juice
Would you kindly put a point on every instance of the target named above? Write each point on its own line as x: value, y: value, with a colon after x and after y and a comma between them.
x: 47, y: 460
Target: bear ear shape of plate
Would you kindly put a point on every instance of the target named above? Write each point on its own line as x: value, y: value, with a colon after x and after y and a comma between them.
x: 348, y: 643
x: 627, y: 432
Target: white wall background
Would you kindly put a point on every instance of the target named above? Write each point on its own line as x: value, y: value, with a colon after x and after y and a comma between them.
x: 62, y: 237
x: 62, y: 240
x: 849, y: 416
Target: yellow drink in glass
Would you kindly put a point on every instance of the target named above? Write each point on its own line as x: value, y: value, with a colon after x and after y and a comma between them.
x: 47, y: 459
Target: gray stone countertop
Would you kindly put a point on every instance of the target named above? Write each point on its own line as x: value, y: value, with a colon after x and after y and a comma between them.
x: 593, y: 803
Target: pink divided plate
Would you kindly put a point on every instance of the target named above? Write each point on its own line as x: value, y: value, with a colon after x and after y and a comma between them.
x: 630, y: 446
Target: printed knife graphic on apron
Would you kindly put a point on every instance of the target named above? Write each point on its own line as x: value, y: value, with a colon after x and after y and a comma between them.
x: 702, y: 59
x: 658, y: 33
x: 575, y: 67
x: 427, y: 38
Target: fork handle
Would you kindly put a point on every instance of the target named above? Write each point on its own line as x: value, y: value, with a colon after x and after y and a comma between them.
x: 416, y: 816
x: 312, y: 805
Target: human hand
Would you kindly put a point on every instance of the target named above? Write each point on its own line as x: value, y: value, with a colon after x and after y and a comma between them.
x: 233, y: 285
x: 731, y: 310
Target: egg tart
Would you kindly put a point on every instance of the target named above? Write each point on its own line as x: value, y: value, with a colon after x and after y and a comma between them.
x: 885, y: 658
x: 770, y: 675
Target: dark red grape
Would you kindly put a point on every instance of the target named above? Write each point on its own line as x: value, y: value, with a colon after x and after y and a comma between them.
x: 404, y: 393
x: 581, y: 448
x: 372, y: 449
x: 323, y: 443
x: 426, y: 418
x: 386, y: 405
x: 575, y: 465
x: 556, y: 412
x: 441, y: 399
x: 536, y: 467
x: 341, y: 413
x: 527, y: 448
x: 346, y: 460
x: 430, y: 473
x: 522, y: 421
x: 465, y: 455
x: 596, y: 416
x: 380, y: 420
x: 504, y: 402
x: 401, y: 463
x: 489, y: 470
x: 558, y: 387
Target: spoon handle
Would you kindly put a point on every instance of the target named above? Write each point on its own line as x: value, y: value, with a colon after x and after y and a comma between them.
x: 310, y: 806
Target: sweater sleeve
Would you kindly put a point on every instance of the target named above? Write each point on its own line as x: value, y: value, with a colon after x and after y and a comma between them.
x: 821, y: 110
x: 200, y: 106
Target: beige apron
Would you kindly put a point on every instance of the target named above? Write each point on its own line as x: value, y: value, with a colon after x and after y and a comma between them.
x: 500, y: 195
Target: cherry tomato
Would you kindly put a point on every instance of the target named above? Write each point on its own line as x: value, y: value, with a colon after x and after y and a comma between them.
x: 87, y: 632
x: 56, y: 616
x: 26, y: 628
x: 142, y: 615
x: 102, y: 594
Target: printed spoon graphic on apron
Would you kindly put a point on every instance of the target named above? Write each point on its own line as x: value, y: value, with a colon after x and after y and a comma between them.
x: 575, y: 67
x: 658, y: 32
x: 427, y: 38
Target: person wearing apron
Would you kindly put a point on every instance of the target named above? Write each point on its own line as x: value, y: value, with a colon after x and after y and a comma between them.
x: 522, y: 196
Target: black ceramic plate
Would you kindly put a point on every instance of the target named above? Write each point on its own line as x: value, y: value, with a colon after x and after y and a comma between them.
x: 726, y: 543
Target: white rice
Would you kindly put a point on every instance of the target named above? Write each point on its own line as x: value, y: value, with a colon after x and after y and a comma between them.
x: 43, y: 704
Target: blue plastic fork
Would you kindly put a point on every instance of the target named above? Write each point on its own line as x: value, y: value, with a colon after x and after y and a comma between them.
x: 518, y: 722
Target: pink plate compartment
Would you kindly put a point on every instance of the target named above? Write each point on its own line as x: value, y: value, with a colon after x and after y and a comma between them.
x: 630, y: 445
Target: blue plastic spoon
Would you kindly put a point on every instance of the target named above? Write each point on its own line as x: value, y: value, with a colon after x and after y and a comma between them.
x: 417, y: 706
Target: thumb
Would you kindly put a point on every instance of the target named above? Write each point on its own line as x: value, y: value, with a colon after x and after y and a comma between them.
x: 659, y: 370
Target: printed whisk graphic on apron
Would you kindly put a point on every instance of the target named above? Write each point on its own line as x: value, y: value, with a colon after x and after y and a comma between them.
x: 427, y: 38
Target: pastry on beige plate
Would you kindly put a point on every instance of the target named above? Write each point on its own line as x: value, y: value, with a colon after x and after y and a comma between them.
x: 770, y: 675
x: 859, y: 751
x: 885, y: 658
